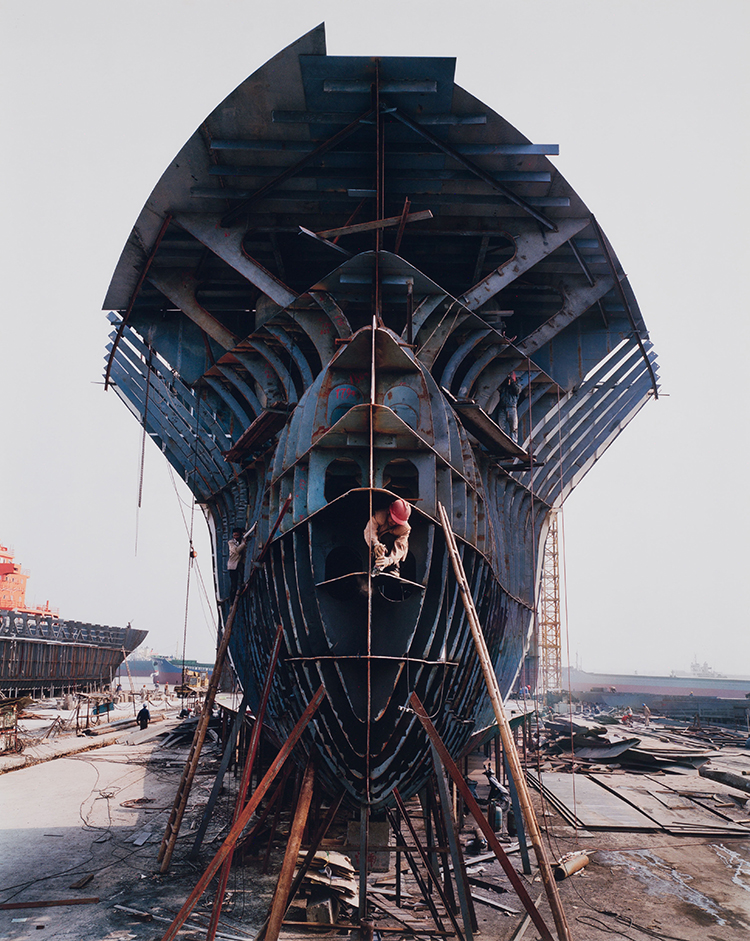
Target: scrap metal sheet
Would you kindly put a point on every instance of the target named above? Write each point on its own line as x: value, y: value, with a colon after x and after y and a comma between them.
x: 673, y: 811
x: 593, y: 806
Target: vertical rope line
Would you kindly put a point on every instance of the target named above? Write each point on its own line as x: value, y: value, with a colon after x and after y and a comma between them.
x: 143, y: 446
x: 191, y: 554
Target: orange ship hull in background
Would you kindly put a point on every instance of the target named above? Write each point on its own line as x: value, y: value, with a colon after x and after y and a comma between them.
x: 43, y: 655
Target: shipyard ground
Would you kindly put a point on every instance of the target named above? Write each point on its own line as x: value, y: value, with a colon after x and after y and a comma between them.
x: 101, y: 813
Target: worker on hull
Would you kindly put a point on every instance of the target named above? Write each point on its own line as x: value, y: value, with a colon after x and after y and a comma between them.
x: 235, y: 559
x: 510, y: 391
x: 387, y: 534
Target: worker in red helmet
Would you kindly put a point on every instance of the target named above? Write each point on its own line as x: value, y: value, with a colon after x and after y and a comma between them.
x: 387, y: 534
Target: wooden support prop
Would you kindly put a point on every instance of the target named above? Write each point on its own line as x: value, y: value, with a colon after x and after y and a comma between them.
x: 550, y: 886
x: 432, y: 873
x: 248, y: 839
x: 308, y: 860
x: 525, y: 922
x: 476, y: 811
x: 459, y: 867
x: 245, y: 780
x: 282, y: 898
x: 231, y: 744
x: 401, y: 842
x: 191, y: 765
x: 242, y: 821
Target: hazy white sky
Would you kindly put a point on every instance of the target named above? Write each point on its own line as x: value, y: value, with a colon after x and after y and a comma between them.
x: 648, y: 100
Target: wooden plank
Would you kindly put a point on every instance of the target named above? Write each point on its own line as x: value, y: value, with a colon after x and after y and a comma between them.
x: 398, y: 914
x: 493, y: 903
x: 377, y: 224
x: 48, y: 903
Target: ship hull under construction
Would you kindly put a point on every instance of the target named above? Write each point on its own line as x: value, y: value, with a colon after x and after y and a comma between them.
x: 356, y: 284
x: 43, y: 655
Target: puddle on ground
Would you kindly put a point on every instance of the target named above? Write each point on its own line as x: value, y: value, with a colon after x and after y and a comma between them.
x: 660, y: 878
x: 735, y: 862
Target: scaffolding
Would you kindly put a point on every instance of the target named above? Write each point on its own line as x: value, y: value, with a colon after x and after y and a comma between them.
x: 548, y: 631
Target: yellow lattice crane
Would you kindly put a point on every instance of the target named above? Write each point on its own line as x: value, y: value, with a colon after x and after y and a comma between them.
x: 548, y: 629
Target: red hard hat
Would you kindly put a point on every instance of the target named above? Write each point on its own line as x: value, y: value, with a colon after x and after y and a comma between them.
x: 400, y: 511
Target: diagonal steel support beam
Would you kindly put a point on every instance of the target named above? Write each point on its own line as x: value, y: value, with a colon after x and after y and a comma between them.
x: 180, y: 289
x: 293, y: 170
x: 226, y: 243
x: 577, y: 302
x: 531, y: 246
x: 469, y: 165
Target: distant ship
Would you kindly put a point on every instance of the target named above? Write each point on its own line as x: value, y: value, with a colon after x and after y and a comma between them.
x: 174, y: 670
x: 161, y: 670
x: 357, y: 284
x: 43, y: 655
x: 701, y: 681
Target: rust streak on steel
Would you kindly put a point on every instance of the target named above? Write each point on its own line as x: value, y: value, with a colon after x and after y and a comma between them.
x: 452, y: 768
x: 279, y: 518
x: 402, y: 226
x: 133, y: 297
x: 244, y: 818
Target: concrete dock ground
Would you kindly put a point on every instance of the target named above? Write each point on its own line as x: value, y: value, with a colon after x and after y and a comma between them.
x: 101, y: 814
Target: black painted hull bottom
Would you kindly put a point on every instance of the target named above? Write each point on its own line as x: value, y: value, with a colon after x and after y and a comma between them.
x: 368, y: 739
